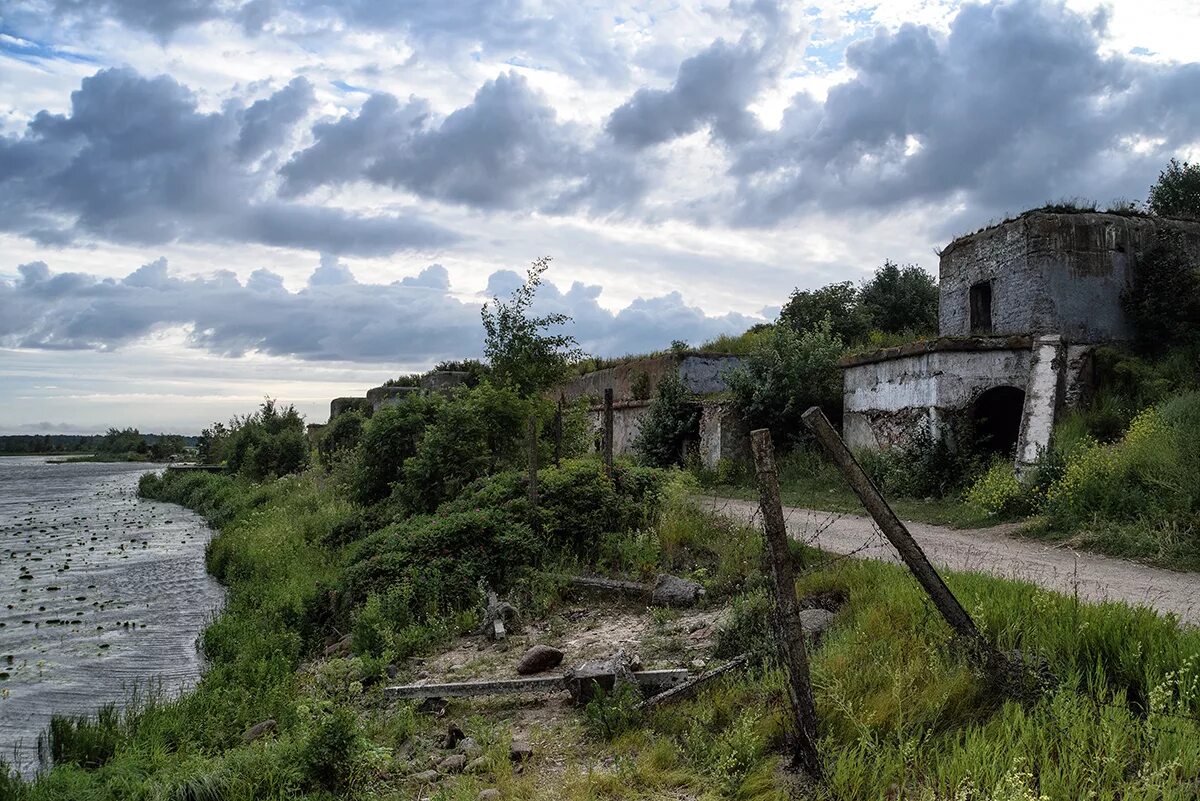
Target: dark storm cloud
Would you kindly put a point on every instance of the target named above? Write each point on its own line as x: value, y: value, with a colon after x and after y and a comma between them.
x: 136, y: 161
x: 1015, y: 106
x: 506, y: 149
x: 415, y: 320
x: 160, y: 17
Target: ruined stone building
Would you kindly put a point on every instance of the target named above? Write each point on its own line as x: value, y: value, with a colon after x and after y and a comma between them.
x: 721, y: 435
x: 1023, y: 306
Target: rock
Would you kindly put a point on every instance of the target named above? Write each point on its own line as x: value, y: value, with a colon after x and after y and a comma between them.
x: 454, y: 735
x: 469, y: 747
x: 520, y: 751
x: 539, y: 658
x: 251, y: 734
x: 675, y: 591
x: 477, y: 765
x: 697, y: 664
x: 453, y: 764
x: 815, y: 622
x: 425, y: 776
x: 339, y: 648
x: 490, y: 794
x: 392, y: 671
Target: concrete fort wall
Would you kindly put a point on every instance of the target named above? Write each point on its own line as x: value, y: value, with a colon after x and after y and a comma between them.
x: 888, y: 393
x: 634, y: 383
x: 701, y: 373
x: 1051, y: 273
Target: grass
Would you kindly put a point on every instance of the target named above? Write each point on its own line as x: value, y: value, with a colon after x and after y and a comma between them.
x: 902, y: 714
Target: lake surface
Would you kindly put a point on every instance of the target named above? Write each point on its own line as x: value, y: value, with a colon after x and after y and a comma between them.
x: 101, y: 593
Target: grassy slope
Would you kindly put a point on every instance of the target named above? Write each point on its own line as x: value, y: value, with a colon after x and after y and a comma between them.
x: 901, y: 715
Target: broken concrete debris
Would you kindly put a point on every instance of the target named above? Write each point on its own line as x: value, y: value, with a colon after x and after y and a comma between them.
x: 499, y: 618
x: 539, y: 658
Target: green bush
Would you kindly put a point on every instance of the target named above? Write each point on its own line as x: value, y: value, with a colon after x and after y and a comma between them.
x: 1176, y: 193
x: 1163, y: 302
x: 997, y: 492
x: 925, y: 465
x: 271, y: 442
x: 672, y: 419
x: 390, y: 438
x: 340, y: 437
x: 481, y: 431
x: 789, y: 372
x: 329, y: 754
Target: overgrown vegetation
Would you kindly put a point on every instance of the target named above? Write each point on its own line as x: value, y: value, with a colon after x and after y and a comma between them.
x: 672, y: 419
x: 1176, y: 193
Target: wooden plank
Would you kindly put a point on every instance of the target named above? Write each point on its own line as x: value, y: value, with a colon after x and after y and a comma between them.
x: 691, y: 686
x: 650, y: 681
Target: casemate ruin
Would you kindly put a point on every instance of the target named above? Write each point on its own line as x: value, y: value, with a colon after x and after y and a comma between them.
x: 1023, y: 306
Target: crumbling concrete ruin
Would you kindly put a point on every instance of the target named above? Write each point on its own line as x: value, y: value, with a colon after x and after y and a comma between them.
x: 1023, y: 306
x: 439, y: 381
x: 722, y: 433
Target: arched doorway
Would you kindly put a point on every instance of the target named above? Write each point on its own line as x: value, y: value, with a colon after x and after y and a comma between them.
x: 996, y: 418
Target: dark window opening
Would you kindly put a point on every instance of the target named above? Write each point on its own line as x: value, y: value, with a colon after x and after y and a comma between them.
x: 996, y: 417
x: 981, y: 308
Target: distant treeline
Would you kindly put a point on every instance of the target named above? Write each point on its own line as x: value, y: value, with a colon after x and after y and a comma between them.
x: 128, y: 440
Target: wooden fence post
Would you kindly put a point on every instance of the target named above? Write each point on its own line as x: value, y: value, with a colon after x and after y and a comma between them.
x: 949, y: 607
x: 558, y: 430
x: 533, y: 469
x: 789, y: 632
x: 608, y: 431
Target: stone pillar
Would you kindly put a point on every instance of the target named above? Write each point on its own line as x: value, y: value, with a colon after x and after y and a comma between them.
x: 1043, y: 398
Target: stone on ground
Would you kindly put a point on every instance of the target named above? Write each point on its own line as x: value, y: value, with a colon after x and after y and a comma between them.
x: 490, y: 794
x: 520, y: 751
x: 675, y: 591
x: 539, y: 658
x: 453, y: 763
x: 259, y: 730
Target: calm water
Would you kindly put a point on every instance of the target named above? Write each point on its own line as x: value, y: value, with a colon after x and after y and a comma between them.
x: 100, y: 593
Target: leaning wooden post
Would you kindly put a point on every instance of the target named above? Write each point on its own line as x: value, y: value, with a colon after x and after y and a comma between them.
x: 533, y: 470
x: 789, y: 632
x: 608, y: 431
x: 897, y: 534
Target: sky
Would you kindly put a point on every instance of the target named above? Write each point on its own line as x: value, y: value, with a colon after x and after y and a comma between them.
x: 203, y: 202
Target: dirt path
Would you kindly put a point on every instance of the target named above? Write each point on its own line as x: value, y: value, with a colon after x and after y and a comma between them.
x: 992, y: 550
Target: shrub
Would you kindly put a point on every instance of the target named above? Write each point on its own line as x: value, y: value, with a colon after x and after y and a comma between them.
x: 787, y: 374
x: 389, y: 438
x: 340, y: 437
x: 900, y: 300
x: 1176, y: 193
x: 926, y: 465
x: 1163, y: 302
x: 998, y: 493
x: 1148, y: 476
x: 673, y: 418
x: 836, y: 303
x: 270, y: 442
x: 329, y: 754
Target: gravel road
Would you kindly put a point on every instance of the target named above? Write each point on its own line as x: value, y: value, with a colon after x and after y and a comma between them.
x: 995, y: 551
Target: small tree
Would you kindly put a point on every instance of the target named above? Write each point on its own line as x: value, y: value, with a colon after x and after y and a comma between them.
x: 785, y: 374
x: 900, y: 299
x: 1176, y: 193
x: 839, y: 303
x: 672, y: 418
x: 522, y: 351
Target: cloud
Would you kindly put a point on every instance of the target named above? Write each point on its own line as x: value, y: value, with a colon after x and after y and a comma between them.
x: 504, y: 150
x: 135, y: 161
x: 712, y: 88
x: 333, y: 318
x: 1016, y: 105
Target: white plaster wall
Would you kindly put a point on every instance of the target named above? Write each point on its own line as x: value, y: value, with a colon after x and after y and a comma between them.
x: 882, y: 399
